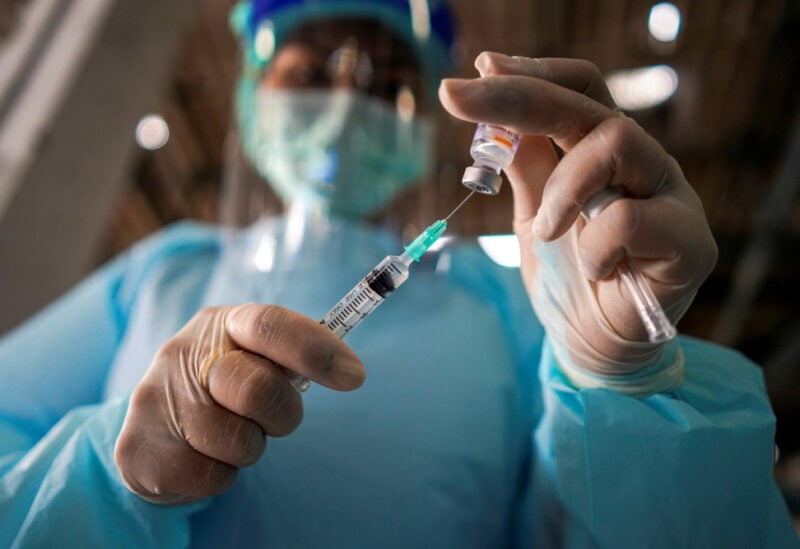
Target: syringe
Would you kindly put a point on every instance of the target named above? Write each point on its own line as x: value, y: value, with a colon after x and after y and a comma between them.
x: 373, y: 289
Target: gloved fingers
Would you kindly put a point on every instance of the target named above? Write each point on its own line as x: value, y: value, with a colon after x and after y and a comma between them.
x: 532, y: 166
x: 172, y: 475
x: 674, y: 256
x: 223, y: 435
x: 254, y: 387
x: 524, y: 105
x: 297, y: 343
x: 602, y: 246
x: 534, y: 162
x: 536, y: 158
x: 622, y: 230
x: 616, y: 153
x: 574, y: 74
x: 534, y: 108
x: 160, y: 466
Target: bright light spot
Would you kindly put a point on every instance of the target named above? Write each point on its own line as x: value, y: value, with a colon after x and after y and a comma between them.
x: 152, y: 132
x: 665, y: 22
x: 444, y: 263
x: 265, y: 41
x: 343, y: 61
x: 642, y: 88
x: 421, y: 19
x: 296, y: 221
x: 406, y: 104
x: 440, y: 244
x: 503, y: 249
x: 264, y: 258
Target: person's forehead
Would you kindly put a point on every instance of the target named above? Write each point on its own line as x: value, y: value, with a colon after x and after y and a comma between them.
x: 372, y: 37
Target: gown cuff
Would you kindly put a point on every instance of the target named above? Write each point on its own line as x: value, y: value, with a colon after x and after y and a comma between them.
x: 664, y: 376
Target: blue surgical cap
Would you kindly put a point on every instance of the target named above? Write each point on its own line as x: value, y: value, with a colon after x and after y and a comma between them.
x: 427, y: 25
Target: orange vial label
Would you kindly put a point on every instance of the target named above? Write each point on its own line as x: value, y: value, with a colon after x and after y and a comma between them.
x: 502, y: 141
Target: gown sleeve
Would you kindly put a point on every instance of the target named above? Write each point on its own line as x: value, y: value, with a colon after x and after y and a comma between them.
x: 692, y: 468
x: 57, y: 472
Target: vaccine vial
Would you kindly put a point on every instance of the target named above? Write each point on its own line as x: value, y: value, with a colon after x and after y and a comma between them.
x: 493, y: 149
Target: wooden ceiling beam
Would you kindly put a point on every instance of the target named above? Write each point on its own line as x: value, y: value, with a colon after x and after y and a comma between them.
x: 60, y: 206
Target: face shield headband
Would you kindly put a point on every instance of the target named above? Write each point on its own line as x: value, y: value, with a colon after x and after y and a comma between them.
x: 426, y: 25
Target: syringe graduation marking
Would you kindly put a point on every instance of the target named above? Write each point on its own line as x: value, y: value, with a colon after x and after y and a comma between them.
x: 359, y: 302
x: 352, y: 308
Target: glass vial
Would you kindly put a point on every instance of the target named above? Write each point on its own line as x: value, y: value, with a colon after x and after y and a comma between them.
x: 493, y: 149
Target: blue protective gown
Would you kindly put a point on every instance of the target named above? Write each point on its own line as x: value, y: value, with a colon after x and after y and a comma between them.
x: 464, y: 435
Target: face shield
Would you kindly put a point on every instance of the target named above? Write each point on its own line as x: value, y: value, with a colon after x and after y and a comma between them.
x: 338, y: 119
x: 334, y: 115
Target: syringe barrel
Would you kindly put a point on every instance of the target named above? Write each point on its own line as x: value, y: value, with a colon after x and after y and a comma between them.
x: 352, y: 309
x: 659, y: 328
x: 365, y: 297
x: 359, y: 302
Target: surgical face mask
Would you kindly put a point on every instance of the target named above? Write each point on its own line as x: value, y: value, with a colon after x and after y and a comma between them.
x: 341, y: 149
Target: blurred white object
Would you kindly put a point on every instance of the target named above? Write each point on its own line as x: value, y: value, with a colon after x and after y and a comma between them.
x: 152, y: 132
x: 664, y: 23
x: 642, y: 88
x: 502, y: 248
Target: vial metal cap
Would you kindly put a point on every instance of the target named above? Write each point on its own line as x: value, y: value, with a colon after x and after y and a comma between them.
x: 482, y: 180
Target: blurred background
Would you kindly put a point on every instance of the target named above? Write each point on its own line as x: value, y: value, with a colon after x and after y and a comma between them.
x: 115, y: 119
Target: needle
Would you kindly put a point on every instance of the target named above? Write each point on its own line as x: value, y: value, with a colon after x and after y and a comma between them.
x: 459, y: 206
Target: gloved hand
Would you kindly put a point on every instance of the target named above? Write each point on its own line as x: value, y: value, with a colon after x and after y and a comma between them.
x: 213, y: 393
x: 568, y: 264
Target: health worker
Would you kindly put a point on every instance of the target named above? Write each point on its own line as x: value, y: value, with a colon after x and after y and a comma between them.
x: 151, y: 406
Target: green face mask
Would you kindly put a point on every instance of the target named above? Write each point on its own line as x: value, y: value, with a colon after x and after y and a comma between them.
x: 349, y: 152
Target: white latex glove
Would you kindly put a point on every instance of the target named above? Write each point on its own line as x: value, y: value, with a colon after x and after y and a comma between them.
x: 569, y: 265
x: 215, y: 391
